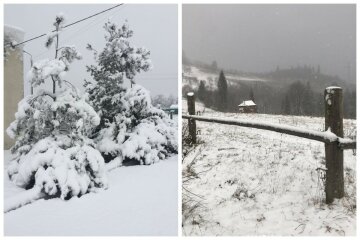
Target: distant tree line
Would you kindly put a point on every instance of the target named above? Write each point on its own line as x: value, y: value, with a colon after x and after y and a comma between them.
x: 164, y: 101
x: 308, y: 72
x: 299, y: 72
x: 297, y: 98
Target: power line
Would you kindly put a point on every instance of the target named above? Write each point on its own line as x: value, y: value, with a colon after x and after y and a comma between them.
x: 83, y: 19
x: 90, y: 25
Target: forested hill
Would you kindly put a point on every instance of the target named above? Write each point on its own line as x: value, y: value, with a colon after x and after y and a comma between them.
x: 292, y: 91
x: 307, y: 73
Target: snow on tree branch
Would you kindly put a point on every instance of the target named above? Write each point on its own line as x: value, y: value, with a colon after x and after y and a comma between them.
x: 53, y: 151
x: 130, y: 127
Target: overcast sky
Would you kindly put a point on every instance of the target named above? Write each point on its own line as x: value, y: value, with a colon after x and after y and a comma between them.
x: 259, y: 37
x: 154, y: 26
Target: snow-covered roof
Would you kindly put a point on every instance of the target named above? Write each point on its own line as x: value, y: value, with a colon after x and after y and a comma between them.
x: 333, y: 87
x: 247, y: 103
x: 174, y: 106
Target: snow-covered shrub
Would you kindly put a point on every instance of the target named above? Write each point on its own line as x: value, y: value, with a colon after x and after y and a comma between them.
x: 140, y: 131
x: 60, y: 167
x: 118, y: 60
x: 130, y: 128
x: 51, y: 129
x: 55, y: 68
x: 35, y: 119
x: 56, y: 153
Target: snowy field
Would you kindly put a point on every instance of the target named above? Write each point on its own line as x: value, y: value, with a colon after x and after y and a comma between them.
x: 243, y: 181
x: 140, y: 200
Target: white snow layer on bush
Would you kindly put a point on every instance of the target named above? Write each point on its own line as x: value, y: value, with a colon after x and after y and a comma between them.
x: 70, y: 172
x: 140, y: 132
x: 55, y: 68
x: 55, y: 153
x: 35, y: 116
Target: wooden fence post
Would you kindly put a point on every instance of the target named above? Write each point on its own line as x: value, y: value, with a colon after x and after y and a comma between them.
x: 171, y: 114
x: 191, y: 122
x: 334, y: 156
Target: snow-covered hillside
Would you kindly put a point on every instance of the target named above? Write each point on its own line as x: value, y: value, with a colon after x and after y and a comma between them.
x: 193, y: 75
x: 244, y: 181
x: 140, y: 200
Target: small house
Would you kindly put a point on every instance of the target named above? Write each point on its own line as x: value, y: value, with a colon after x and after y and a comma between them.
x: 248, y: 106
x: 174, y: 108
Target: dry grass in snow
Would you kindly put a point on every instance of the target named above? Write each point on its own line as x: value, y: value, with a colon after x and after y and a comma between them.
x: 255, y: 182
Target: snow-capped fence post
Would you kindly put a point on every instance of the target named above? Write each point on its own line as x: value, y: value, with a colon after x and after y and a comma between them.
x: 334, y: 156
x: 191, y: 122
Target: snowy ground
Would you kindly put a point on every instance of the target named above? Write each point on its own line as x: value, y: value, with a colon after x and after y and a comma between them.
x: 257, y: 182
x: 141, y: 200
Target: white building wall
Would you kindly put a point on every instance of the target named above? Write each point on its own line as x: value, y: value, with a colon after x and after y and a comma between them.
x: 13, y: 79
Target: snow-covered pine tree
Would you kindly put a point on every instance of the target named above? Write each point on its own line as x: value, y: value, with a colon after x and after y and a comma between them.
x: 222, y: 93
x: 130, y: 127
x: 52, y: 150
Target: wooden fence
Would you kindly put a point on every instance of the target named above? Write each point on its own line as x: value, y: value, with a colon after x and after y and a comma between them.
x: 333, y: 137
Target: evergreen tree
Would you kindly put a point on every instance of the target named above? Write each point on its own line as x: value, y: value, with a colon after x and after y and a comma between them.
x: 286, y: 105
x: 251, y: 95
x: 52, y: 149
x: 164, y: 102
x: 222, y: 92
x: 214, y: 65
x: 308, y: 101
x: 119, y: 60
x: 130, y: 127
x: 296, y: 91
x: 201, y: 91
x: 349, y: 103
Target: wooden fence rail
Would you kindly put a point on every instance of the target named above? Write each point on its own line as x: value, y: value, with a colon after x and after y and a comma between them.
x: 333, y: 137
x: 325, y: 137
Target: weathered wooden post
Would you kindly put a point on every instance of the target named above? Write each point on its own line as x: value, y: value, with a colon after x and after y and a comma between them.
x: 191, y: 122
x: 334, y: 156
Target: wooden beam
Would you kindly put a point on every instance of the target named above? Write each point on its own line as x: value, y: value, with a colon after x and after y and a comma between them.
x: 334, y: 155
x: 347, y: 145
x: 309, y: 134
x: 191, y: 122
x: 325, y: 137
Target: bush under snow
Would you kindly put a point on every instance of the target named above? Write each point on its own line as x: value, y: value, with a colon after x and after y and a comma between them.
x: 140, y: 131
x: 52, y: 151
x: 130, y: 127
x: 59, y: 169
x: 55, y: 153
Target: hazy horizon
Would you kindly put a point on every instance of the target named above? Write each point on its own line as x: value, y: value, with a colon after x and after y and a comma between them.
x: 260, y: 37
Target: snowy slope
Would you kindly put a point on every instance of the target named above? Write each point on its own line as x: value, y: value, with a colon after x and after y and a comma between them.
x: 141, y: 200
x: 210, y: 78
x: 257, y: 182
